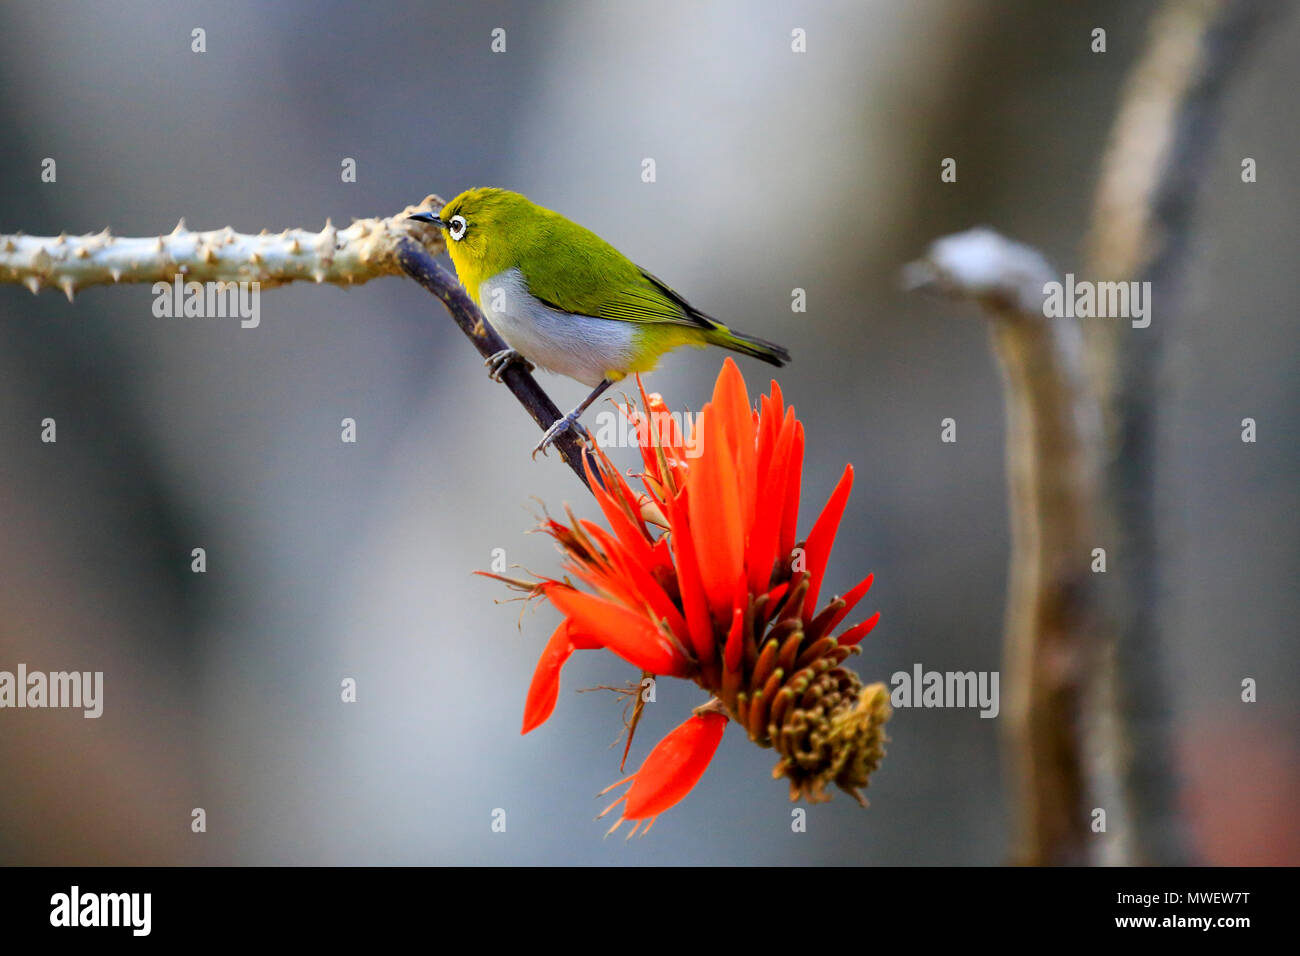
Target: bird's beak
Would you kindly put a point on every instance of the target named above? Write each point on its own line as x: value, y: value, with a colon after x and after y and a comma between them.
x: 428, y: 217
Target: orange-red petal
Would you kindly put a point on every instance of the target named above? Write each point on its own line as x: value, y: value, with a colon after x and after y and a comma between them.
x: 715, y: 515
x: 851, y: 600
x: 794, y: 477
x: 695, y: 603
x: 764, y: 536
x: 736, y: 416
x: 628, y: 634
x: 822, y: 538
x: 858, y: 631
x: 638, y: 573
x: 663, y: 433
x: 674, y: 767
x: 545, y: 688
x: 735, y: 641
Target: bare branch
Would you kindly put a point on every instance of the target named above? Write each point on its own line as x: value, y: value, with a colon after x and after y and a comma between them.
x: 1159, y: 151
x: 1053, y: 441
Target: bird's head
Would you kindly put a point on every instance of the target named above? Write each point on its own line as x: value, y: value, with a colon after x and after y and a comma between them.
x: 485, y: 227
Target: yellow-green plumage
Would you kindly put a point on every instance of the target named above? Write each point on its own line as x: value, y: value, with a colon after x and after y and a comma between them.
x: 566, y: 300
x: 570, y: 270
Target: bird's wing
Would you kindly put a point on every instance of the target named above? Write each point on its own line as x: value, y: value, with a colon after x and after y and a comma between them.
x: 652, y: 300
x: 644, y: 300
x: 600, y: 281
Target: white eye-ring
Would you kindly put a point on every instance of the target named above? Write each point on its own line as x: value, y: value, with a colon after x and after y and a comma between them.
x: 456, y: 227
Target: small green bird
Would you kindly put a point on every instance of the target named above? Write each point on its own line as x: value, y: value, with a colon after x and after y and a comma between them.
x: 567, y: 301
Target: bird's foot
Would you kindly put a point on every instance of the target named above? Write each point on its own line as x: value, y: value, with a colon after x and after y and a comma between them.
x: 498, y: 362
x: 567, y: 423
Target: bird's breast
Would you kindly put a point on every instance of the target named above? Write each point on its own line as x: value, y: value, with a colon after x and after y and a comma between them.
x: 580, y: 346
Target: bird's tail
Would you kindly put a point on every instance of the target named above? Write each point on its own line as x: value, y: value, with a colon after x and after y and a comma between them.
x: 750, y: 345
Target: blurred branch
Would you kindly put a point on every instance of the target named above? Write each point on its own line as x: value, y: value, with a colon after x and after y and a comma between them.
x: 1085, y: 677
x: 1053, y: 441
x: 1159, y: 151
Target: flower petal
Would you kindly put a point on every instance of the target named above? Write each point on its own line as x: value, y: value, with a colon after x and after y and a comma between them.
x: 736, y: 416
x: 545, y: 688
x: 850, y: 602
x: 628, y: 634
x: 644, y: 586
x: 717, y: 526
x: 858, y: 631
x: 663, y: 431
x: 630, y: 534
x: 778, y: 404
x: 794, y: 476
x: 735, y: 641
x: 674, y: 767
x: 822, y: 538
x: 695, y: 603
x: 770, y: 504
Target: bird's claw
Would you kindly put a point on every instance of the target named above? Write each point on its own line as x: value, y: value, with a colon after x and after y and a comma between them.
x: 498, y: 362
x: 564, y: 424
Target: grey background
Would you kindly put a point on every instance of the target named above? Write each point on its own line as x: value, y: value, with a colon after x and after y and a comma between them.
x: 328, y: 560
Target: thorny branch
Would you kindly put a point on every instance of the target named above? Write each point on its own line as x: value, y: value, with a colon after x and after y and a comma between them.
x: 367, y: 249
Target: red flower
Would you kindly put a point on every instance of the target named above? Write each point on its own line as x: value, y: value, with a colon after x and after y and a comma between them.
x: 725, y: 597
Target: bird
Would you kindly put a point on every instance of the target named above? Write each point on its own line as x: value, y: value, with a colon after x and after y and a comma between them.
x: 566, y: 301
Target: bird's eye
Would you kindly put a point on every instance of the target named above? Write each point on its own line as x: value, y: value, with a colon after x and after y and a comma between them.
x: 456, y: 227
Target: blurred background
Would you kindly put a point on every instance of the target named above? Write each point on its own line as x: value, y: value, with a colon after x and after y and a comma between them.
x: 326, y: 560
